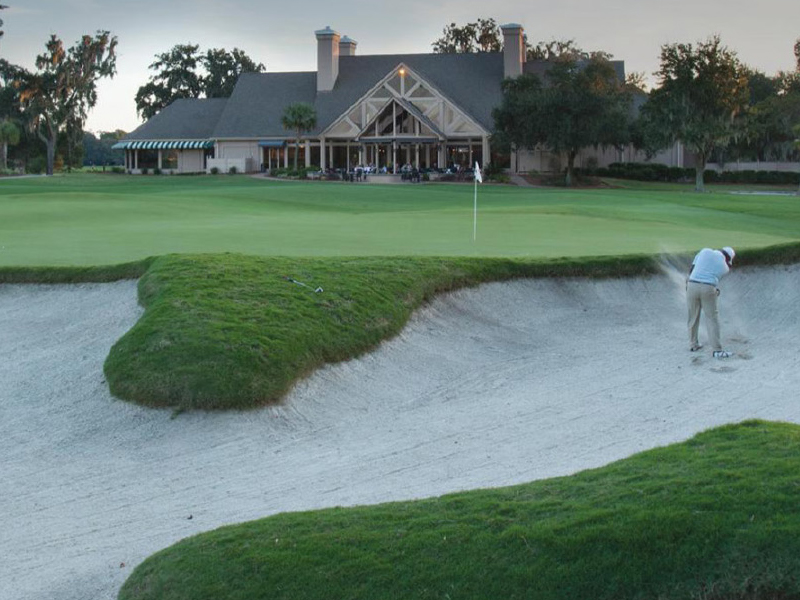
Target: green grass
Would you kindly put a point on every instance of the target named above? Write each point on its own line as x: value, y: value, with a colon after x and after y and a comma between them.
x: 92, y: 219
x: 713, y: 518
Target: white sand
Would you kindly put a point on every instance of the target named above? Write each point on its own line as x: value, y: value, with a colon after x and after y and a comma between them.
x: 496, y: 385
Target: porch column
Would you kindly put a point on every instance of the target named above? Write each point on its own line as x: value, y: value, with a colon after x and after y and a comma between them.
x: 158, y: 161
x: 416, y: 148
x: 361, y: 150
x: 347, y: 152
x: 487, y: 153
x: 471, y: 162
x: 330, y: 156
x: 322, y: 162
x: 442, y: 151
x: 394, y: 158
x: 136, y: 159
x: 308, y: 153
x: 427, y: 156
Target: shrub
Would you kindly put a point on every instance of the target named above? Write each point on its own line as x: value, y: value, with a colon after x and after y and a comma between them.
x: 215, y: 170
x: 676, y: 174
x: 659, y: 172
x: 156, y: 171
x: 591, y: 165
x: 303, y: 172
x: 233, y: 170
x: 143, y: 170
x: 37, y: 164
x: 490, y: 170
x: 499, y: 178
x: 118, y: 170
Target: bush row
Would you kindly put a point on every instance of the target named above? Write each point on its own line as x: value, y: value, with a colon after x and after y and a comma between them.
x: 300, y: 173
x: 659, y: 172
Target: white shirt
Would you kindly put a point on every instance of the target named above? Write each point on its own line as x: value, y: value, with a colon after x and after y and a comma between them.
x: 708, y: 266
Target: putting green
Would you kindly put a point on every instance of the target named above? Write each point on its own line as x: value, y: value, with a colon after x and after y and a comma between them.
x: 104, y: 219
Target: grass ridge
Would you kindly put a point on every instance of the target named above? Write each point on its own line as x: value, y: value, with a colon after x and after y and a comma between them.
x: 76, y: 274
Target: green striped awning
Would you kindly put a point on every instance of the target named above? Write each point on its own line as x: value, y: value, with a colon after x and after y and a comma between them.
x: 165, y: 145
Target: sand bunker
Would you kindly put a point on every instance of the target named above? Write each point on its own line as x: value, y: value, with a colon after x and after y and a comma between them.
x: 491, y: 386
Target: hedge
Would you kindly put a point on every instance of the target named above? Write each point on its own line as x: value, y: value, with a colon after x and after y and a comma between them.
x: 660, y: 172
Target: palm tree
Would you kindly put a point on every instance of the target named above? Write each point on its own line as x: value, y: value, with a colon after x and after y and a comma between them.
x: 9, y: 134
x: 299, y: 117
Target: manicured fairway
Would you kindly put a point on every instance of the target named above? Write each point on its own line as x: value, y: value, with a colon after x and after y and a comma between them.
x: 105, y: 219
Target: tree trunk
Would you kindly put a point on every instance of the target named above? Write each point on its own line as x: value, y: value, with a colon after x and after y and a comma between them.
x: 50, y: 142
x: 296, y: 149
x: 700, y: 169
x: 51, y: 155
x: 570, y: 167
x: 4, y: 156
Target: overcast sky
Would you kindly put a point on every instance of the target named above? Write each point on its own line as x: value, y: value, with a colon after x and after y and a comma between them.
x: 281, y: 34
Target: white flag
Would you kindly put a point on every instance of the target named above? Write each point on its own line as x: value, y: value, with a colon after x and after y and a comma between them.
x: 478, y: 177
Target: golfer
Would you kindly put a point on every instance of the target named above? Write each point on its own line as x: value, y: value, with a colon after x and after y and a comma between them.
x: 702, y: 289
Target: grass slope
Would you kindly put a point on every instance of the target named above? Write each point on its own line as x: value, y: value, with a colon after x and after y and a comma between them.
x: 715, y: 518
x: 101, y: 274
x: 89, y: 219
x: 231, y: 332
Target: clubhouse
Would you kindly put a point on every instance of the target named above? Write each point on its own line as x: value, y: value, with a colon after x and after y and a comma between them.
x: 427, y: 110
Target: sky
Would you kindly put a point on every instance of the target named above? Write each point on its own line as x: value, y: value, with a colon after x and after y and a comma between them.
x: 281, y: 34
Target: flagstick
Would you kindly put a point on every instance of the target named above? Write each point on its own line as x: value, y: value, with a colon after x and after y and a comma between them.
x: 475, y: 214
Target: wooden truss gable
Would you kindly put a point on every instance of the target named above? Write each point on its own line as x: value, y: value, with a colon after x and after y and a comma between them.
x: 437, y: 116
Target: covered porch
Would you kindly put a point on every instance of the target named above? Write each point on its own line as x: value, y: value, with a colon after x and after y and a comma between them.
x: 170, y: 156
x: 391, y: 154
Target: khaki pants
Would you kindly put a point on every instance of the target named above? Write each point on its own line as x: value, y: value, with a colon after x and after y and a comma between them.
x: 703, y: 297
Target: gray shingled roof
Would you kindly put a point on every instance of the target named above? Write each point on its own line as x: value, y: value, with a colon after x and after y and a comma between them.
x: 258, y: 102
x: 254, y: 110
x: 470, y: 81
x: 185, y: 119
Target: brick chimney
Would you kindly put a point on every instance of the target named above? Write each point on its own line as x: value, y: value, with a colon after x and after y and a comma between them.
x: 347, y: 47
x: 327, y: 59
x: 513, y: 49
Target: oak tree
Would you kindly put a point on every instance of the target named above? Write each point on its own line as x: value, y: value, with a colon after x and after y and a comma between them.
x: 576, y: 104
x: 64, y: 88
x: 176, y: 77
x: 701, y: 94
x: 481, y: 36
x: 223, y: 69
